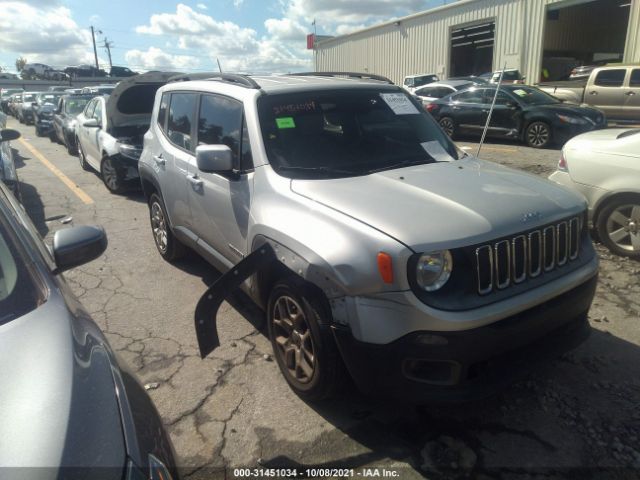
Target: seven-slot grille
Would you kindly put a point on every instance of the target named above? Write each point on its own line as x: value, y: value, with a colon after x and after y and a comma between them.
x: 512, y: 261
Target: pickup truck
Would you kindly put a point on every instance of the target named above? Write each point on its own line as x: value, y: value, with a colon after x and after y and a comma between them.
x: 614, y: 89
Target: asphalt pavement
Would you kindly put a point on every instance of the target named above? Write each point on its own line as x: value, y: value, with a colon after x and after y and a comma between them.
x: 577, y: 417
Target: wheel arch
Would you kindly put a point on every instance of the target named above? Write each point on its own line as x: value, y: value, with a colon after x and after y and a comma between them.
x: 607, y: 199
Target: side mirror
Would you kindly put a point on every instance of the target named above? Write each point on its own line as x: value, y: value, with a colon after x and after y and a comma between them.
x: 214, y: 158
x: 91, y: 123
x: 7, y: 134
x: 77, y: 246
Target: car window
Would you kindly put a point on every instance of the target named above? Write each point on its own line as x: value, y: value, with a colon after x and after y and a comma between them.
x: 28, y: 98
x: 97, y: 113
x: 425, y: 92
x: 219, y: 122
x: 180, y: 118
x: 162, y: 111
x: 321, y: 134
x: 73, y: 106
x: 610, y: 78
x: 634, y: 81
x: 88, y: 112
x: 501, y: 99
x: 469, y: 96
x: 20, y: 292
x: 424, y: 80
x: 246, y: 160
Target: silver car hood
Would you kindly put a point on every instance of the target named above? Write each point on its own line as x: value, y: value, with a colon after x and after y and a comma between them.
x: 57, y: 395
x: 445, y: 205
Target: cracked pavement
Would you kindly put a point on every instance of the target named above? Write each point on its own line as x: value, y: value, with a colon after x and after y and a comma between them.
x: 234, y: 409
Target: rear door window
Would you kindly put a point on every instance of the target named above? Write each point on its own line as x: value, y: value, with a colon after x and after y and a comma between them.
x: 180, y: 119
x: 634, y: 81
x: 610, y: 78
x: 469, y: 96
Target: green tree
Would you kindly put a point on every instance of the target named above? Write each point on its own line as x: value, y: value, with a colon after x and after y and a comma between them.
x: 20, y: 63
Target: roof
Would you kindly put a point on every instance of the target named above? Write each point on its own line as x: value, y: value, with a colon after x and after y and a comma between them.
x: 447, y: 83
x: 296, y: 82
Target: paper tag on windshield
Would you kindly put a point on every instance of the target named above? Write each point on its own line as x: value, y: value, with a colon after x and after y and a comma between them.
x: 434, y: 149
x: 399, y: 103
x: 520, y: 93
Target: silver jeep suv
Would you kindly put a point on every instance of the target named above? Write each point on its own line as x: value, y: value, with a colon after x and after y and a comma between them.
x: 427, y: 273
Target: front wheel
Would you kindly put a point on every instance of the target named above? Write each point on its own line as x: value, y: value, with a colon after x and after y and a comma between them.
x: 448, y: 126
x: 538, y: 135
x: 618, y: 226
x: 305, y: 351
x: 167, y: 244
x: 111, y: 175
x: 83, y: 161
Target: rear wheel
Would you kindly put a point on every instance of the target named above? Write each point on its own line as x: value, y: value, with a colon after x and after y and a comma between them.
x: 167, y: 244
x: 305, y: 351
x: 618, y: 226
x: 448, y: 126
x: 538, y: 135
x: 112, y: 176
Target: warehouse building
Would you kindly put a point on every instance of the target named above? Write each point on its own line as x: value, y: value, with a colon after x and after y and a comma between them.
x: 544, y: 39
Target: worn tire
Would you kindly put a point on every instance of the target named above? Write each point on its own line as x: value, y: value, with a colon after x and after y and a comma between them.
x: 538, y: 135
x: 81, y: 157
x: 170, y: 248
x: 71, y: 148
x: 448, y: 125
x: 610, y: 221
x: 311, y: 331
x: 111, y: 176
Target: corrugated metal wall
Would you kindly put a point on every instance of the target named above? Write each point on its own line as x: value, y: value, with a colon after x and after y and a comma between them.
x: 420, y: 43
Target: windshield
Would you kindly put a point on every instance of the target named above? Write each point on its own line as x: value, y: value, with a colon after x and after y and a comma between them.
x: 348, y: 133
x: 19, y: 291
x: 49, y: 98
x: 424, y: 80
x: 74, y: 106
x: 533, y: 96
x: 30, y: 97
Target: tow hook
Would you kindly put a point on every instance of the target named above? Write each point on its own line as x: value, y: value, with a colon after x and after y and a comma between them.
x: 209, y: 304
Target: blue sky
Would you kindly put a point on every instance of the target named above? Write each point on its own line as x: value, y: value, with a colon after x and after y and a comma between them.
x: 245, y: 35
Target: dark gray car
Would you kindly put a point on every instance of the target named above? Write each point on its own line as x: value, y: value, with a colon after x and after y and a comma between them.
x: 68, y: 408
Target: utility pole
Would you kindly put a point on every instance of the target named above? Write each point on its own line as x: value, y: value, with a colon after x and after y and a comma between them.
x: 95, y: 52
x: 108, y: 46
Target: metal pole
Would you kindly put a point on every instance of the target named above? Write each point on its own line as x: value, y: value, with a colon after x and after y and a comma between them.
x: 107, y: 45
x: 95, y: 52
x: 493, y: 104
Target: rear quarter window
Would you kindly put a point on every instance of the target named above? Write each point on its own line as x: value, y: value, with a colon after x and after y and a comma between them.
x: 610, y: 78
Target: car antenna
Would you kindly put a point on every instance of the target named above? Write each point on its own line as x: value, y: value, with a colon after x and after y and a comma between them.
x: 219, y: 67
x: 493, y: 104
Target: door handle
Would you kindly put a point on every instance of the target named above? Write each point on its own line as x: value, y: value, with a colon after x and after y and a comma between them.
x: 593, y: 93
x: 195, y: 181
x: 630, y: 93
x: 159, y: 160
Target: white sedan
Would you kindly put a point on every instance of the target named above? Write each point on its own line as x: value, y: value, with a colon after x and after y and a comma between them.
x: 604, y: 166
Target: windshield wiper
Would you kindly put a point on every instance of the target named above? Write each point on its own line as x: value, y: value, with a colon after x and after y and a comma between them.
x: 402, y: 164
x: 321, y: 169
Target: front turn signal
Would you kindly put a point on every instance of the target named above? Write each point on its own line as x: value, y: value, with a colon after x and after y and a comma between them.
x: 385, y: 267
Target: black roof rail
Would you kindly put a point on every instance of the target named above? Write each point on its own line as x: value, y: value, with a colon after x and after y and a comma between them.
x: 235, y: 78
x: 363, y: 76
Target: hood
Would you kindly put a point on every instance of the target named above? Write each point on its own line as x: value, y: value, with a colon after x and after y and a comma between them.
x: 59, y: 405
x: 576, y: 110
x: 131, y: 102
x: 625, y: 141
x: 445, y: 205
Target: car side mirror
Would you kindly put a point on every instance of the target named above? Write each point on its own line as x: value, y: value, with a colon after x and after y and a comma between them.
x: 214, y: 158
x: 91, y: 123
x: 7, y: 134
x: 78, y: 245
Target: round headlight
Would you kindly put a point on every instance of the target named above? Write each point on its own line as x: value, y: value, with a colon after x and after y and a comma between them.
x: 433, y: 270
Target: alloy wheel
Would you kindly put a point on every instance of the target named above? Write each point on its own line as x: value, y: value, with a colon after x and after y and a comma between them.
x: 110, y: 175
x: 538, y: 135
x: 159, y: 227
x: 447, y: 126
x: 293, y: 339
x: 623, y: 227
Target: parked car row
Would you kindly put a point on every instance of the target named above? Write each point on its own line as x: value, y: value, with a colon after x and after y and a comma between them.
x: 46, y: 72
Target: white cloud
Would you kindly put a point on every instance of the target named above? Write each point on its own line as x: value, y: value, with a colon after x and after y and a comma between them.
x: 202, y: 6
x: 156, y: 59
x: 237, y: 48
x: 330, y: 13
x: 43, y: 32
x: 238, y: 3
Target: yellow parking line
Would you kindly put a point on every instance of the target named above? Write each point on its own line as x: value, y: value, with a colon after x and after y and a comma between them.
x: 63, y: 178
